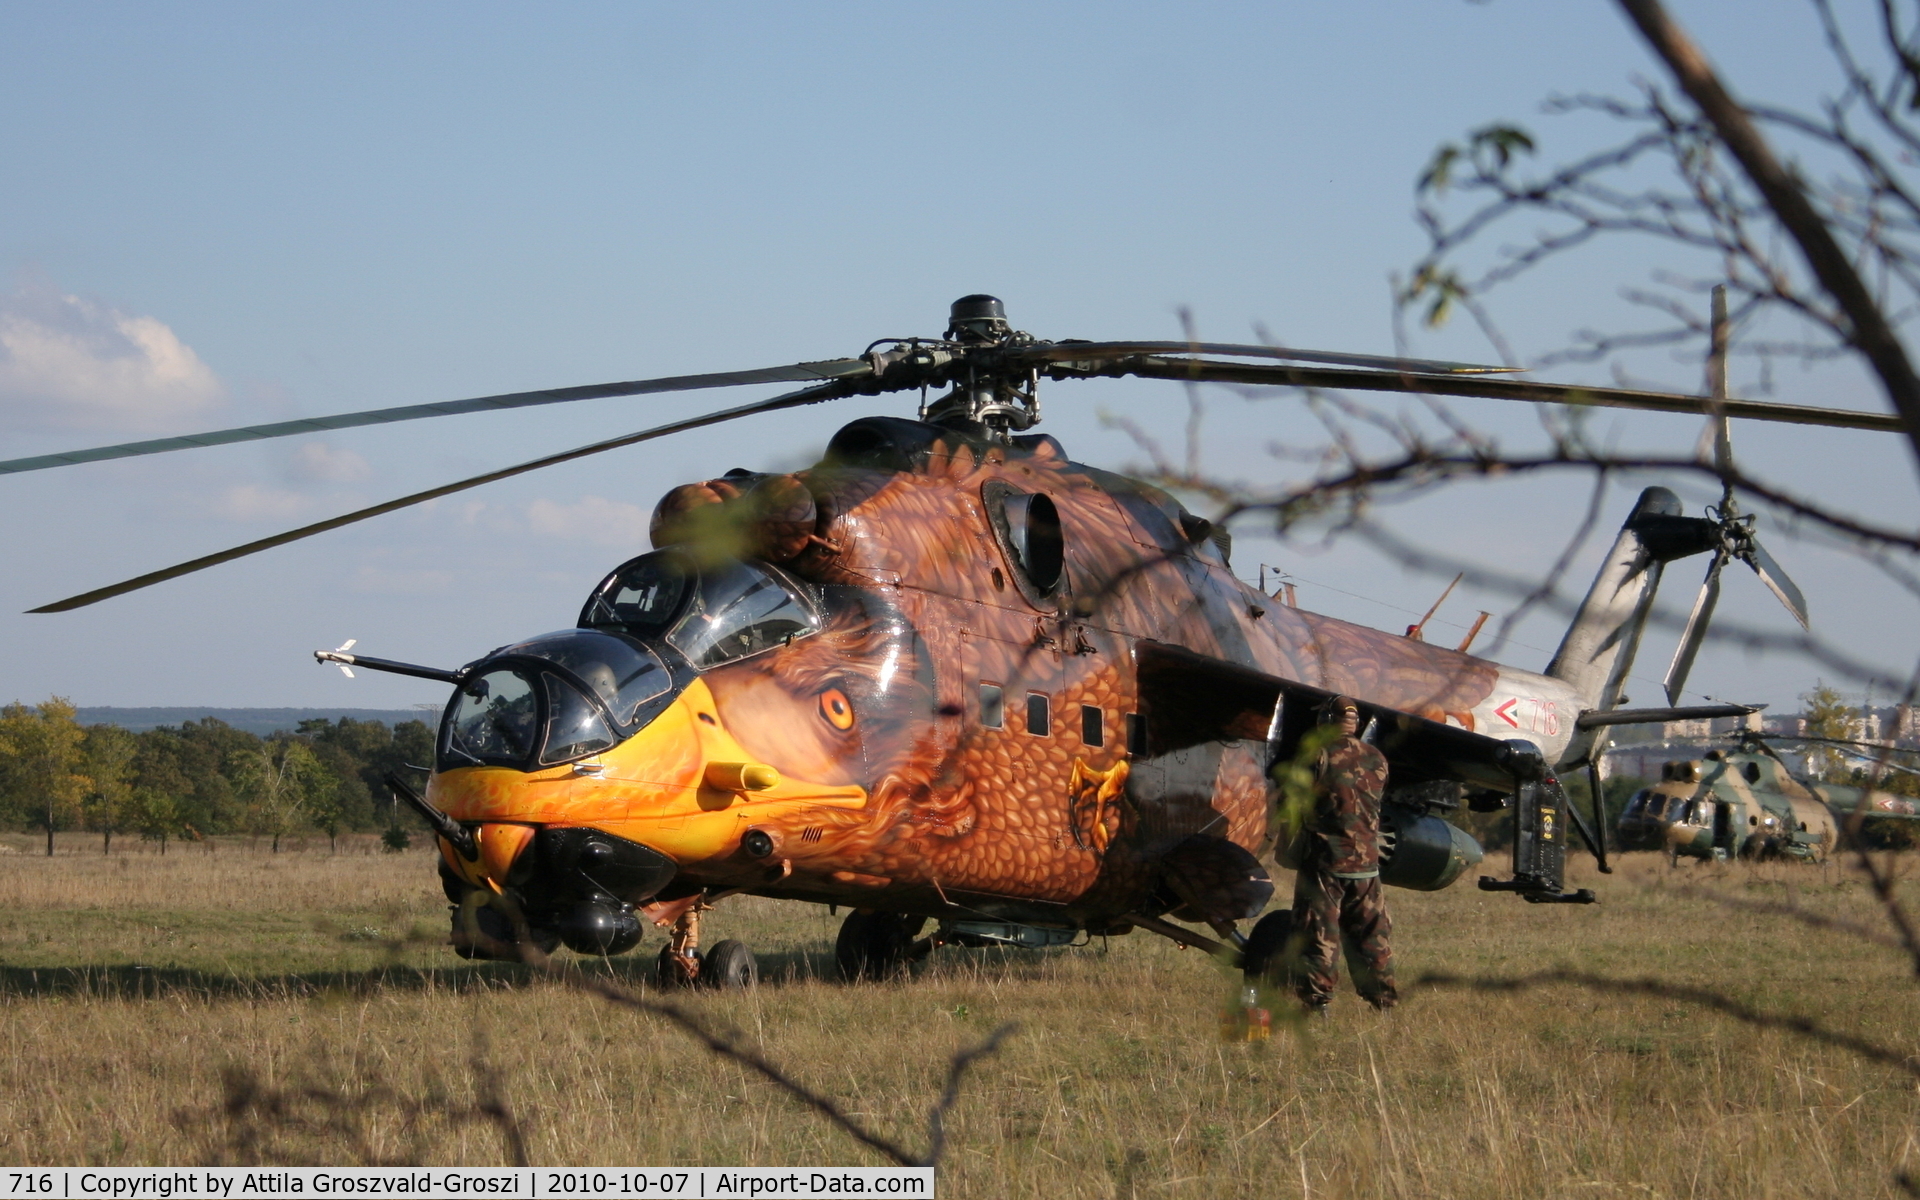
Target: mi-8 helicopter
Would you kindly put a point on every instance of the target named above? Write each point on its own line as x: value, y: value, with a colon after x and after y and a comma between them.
x: 948, y: 674
x: 1747, y: 803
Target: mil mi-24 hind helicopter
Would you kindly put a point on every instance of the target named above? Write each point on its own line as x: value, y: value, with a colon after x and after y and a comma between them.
x: 948, y: 674
x: 1746, y: 803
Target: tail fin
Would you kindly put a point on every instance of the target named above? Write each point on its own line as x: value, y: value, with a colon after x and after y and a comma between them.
x: 1598, y: 650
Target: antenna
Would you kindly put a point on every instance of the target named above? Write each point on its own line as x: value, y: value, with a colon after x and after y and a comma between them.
x: 1418, y: 632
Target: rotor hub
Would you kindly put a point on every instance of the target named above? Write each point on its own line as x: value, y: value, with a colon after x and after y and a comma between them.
x: 998, y: 397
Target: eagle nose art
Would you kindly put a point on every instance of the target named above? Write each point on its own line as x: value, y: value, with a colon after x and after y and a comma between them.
x: 574, y: 848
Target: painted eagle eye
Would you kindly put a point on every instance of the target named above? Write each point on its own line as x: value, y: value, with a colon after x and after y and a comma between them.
x: 836, y: 709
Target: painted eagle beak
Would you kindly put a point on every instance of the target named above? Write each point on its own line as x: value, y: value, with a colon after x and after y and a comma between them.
x: 682, y: 788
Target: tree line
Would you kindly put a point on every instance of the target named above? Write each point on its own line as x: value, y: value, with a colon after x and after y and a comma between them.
x: 201, y: 778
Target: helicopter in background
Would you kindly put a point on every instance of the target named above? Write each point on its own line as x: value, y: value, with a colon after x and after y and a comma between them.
x: 1747, y: 803
x: 950, y: 675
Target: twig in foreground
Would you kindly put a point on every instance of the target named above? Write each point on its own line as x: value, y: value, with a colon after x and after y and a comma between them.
x: 1726, y: 1005
x: 729, y: 1045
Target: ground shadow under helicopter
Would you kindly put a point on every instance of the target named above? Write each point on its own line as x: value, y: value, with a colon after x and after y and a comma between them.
x: 128, y: 981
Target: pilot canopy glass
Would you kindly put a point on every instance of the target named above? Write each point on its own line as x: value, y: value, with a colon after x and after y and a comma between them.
x: 713, y: 614
x: 554, y: 699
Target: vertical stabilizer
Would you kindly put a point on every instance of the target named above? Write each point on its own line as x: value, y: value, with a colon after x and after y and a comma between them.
x: 1598, y: 650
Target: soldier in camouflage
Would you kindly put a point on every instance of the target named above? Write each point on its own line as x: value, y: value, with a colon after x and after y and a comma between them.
x: 1336, y: 895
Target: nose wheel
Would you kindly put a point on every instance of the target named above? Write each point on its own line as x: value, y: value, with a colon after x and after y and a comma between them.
x: 728, y: 965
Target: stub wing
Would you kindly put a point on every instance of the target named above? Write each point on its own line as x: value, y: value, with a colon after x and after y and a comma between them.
x: 1191, y: 698
x: 1843, y: 802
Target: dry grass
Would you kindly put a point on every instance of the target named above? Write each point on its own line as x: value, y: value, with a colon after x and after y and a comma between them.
x: 132, y: 988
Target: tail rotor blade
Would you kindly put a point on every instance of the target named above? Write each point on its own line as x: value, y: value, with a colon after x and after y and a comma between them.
x: 1776, y: 579
x: 1696, y: 631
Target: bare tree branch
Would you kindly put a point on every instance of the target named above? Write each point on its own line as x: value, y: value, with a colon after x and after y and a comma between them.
x: 1871, y: 333
x: 1908, y: 1063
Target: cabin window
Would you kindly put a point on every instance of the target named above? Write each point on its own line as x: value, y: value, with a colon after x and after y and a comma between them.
x: 1092, y: 726
x: 1752, y: 772
x: 993, y: 707
x: 1136, y: 734
x: 1039, y: 714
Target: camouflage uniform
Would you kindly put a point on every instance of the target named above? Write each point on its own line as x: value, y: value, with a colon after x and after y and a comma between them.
x: 1336, y: 894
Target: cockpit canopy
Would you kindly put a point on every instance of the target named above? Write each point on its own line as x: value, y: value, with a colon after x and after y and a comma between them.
x: 713, y: 613
x: 646, y: 630
x: 553, y: 699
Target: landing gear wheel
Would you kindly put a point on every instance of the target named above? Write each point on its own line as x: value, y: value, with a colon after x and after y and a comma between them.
x: 874, y: 945
x: 669, y: 973
x: 1263, y: 958
x: 729, y: 966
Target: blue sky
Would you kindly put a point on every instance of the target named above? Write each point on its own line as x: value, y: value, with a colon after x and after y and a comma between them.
x: 300, y: 210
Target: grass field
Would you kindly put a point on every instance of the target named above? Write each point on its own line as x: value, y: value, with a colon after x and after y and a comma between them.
x: 138, y: 992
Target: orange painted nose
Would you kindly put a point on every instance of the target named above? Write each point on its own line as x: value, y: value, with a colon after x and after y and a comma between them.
x: 499, y: 846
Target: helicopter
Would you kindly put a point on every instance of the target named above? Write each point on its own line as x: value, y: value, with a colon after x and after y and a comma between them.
x: 950, y: 675
x: 1746, y: 803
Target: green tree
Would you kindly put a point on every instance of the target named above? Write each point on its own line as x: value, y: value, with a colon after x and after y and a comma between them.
x: 366, y: 751
x: 107, y: 754
x: 282, y: 781
x: 156, y: 815
x: 41, y: 763
x: 1828, y: 715
x: 194, y: 764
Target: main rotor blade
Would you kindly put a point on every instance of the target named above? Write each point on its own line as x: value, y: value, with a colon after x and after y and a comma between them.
x: 1776, y: 579
x: 840, y: 368
x: 830, y: 391
x: 1275, y: 375
x: 1696, y: 631
x: 1063, y: 352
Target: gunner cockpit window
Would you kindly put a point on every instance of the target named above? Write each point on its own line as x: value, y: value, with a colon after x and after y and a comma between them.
x: 621, y: 672
x: 494, y: 718
x: 575, y: 726
x: 554, y: 699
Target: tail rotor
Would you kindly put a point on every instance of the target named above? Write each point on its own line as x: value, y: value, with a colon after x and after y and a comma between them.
x: 1735, y: 530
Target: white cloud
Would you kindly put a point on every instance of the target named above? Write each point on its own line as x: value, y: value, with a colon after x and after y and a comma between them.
x: 321, y: 463
x: 251, y: 502
x: 72, y: 363
x: 592, y: 519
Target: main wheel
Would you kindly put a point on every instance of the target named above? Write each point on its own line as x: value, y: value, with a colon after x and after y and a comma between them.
x: 729, y: 966
x: 1263, y: 958
x: 873, y: 945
